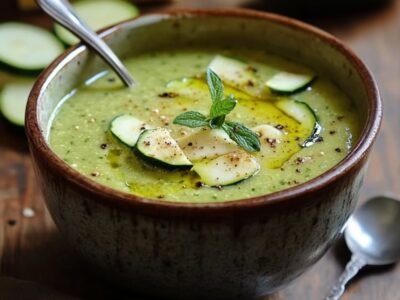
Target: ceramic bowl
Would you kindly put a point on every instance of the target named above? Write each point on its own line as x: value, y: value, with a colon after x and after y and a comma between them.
x: 234, y: 250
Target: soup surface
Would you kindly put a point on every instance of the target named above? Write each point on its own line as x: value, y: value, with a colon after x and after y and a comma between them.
x: 80, y: 133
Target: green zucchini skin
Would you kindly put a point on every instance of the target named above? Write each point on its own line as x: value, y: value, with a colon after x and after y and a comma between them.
x: 315, y: 133
x: 314, y: 136
x: 290, y: 82
x: 19, y: 71
x: 295, y: 91
x: 153, y: 160
x: 128, y: 121
x: 314, y: 126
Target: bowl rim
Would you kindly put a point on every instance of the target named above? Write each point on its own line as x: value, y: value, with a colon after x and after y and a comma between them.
x: 289, y: 197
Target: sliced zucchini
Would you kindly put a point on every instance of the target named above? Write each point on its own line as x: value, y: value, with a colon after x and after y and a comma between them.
x: 127, y: 129
x: 303, y: 114
x: 98, y: 14
x: 227, y: 169
x: 159, y: 148
x: 26, y: 47
x: 285, y: 82
x: 13, y: 99
x: 236, y: 73
x: 207, y: 144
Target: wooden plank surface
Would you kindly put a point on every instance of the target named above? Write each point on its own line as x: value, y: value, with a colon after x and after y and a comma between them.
x: 32, y: 250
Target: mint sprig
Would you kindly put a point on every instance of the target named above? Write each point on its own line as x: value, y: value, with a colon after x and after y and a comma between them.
x: 220, y: 108
x: 242, y: 135
x: 191, y: 119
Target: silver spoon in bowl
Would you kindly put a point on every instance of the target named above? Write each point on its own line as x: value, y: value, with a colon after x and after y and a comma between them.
x: 62, y: 12
x: 373, y: 236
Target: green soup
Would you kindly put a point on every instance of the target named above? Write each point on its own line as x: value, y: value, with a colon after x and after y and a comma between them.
x: 80, y: 132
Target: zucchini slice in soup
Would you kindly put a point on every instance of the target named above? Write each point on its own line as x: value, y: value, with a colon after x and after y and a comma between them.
x: 227, y: 169
x: 303, y: 114
x: 286, y: 82
x: 127, y: 129
x: 207, y: 144
x: 237, y: 74
x: 157, y: 147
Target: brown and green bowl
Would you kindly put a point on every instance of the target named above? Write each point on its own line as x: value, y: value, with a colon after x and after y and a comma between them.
x: 231, y: 250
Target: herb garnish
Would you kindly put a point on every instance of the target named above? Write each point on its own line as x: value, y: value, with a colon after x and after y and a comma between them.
x: 220, y: 108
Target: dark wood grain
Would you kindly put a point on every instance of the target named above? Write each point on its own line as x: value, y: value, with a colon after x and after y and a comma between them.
x: 32, y: 250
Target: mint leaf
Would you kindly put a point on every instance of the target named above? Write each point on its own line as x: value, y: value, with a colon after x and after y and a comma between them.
x: 191, y: 119
x: 215, y: 86
x: 222, y: 108
x: 216, y: 122
x: 243, y: 136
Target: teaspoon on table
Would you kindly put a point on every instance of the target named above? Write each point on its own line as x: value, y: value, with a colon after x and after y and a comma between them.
x: 62, y: 12
x: 373, y: 236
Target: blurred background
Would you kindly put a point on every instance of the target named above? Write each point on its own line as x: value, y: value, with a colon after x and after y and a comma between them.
x: 8, y: 8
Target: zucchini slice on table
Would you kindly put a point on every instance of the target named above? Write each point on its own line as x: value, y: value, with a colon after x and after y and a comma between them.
x: 207, y: 144
x: 127, y: 129
x: 227, y: 169
x: 303, y: 114
x: 26, y: 47
x: 98, y: 14
x: 236, y: 73
x: 13, y: 99
x: 157, y: 147
x: 286, y: 82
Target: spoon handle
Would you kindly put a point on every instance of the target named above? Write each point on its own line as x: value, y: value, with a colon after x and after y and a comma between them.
x: 62, y: 12
x: 353, y: 266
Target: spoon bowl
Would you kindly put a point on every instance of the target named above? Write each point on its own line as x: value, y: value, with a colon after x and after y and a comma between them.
x: 373, y: 236
x: 373, y: 232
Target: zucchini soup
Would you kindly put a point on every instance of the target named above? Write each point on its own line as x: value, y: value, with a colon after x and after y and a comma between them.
x: 205, y: 125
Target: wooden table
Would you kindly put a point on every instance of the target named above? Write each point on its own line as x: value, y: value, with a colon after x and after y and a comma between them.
x: 31, y: 248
